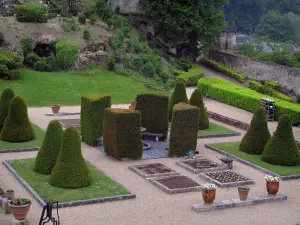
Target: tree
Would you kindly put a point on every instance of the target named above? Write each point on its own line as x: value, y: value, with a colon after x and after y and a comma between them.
x: 281, y: 148
x: 197, y: 100
x: 258, y: 134
x: 178, y: 95
x: 6, y: 96
x: 182, y: 23
x: 47, y: 155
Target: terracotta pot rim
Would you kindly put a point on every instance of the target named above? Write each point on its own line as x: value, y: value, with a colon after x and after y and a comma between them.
x: 20, y: 206
x: 55, y: 106
x: 243, y: 191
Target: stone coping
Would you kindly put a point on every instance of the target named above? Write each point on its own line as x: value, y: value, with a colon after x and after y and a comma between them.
x: 62, y: 114
x: 19, y: 150
x: 220, y: 135
x: 196, y: 171
x: 253, y: 200
x: 135, y: 169
x: 42, y: 202
x: 229, y: 184
x: 290, y: 177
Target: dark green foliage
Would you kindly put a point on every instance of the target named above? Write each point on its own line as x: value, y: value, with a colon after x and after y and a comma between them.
x: 70, y: 170
x: 17, y: 127
x: 6, y: 97
x: 148, y: 70
x: 272, y: 84
x: 184, y: 129
x: 154, y: 110
x: 178, y: 95
x: 49, y: 151
x: 197, y: 100
x: 66, y: 55
x: 81, y: 18
x: 91, y: 117
x: 111, y: 63
x: 93, y: 19
x: 258, y: 134
x: 31, y: 60
x: 122, y: 133
x: 1, y: 38
x: 86, y: 35
x: 26, y: 45
x: 42, y: 65
x: 31, y: 12
x: 281, y: 148
x: 191, y: 78
x: 9, y: 66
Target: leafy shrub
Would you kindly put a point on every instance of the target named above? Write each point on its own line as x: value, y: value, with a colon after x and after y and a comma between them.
x: 54, y: 10
x: 148, y: 70
x: 164, y: 76
x: 154, y: 110
x: 42, y: 65
x: 116, y: 41
x: 81, y: 18
x: 66, y: 55
x: 91, y: 117
x: 27, y: 45
x: 111, y: 63
x: 223, y: 69
x: 1, y: 38
x: 178, y: 95
x: 49, y: 151
x: 93, y: 19
x: 6, y: 96
x: 245, y: 98
x: 31, y: 60
x: 70, y: 170
x: 257, y: 135
x: 102, y: 10
x: 117, y: 55
x: 86, y: 35
x: 184, y: 129
x: 17, y: 127
x: 281, y: 149
x: 271, y: 84
x: 31, y: 12
x: 197, y: 100
x: 191, y: 78
x: 183, y: 65
x: 122, y: 133
x: 9, y: 66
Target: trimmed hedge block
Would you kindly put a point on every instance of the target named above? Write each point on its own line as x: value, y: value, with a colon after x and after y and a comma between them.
x: 245, y: 98
x: 272, y: 84
x: 191, y: 77
x: 17, y: 126
x: 31, y: 12
x: 92, y: 116
x: 122, y: 133
x: 154, y: 111
x: 184, y: 129
x: 6, y: 97
x: 178, y: 95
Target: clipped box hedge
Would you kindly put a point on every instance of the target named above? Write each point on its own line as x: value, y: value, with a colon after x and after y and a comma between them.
x: 92, y: 116
x: 272, y: 84
x: 245, y: 98
x: 224, y: 69
x: 191, y: 77
x: 154, y: 110
x: 122, y: 133
x: 31, y: 12
x: 184, y: 129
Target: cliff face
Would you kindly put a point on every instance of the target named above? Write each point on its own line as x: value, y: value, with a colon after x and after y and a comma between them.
x: 126, y: 6
x: 6, y: 5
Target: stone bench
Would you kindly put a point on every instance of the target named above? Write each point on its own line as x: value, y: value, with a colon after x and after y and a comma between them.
x: 151, y: 136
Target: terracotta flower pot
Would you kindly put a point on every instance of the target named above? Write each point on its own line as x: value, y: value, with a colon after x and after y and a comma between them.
x: 10, y: 194
x: 55, y: 109
x: 20, y: 211
x: 208, y: 196
x: 243, y: 195
x: 133, y: 104
x: 272, y: 187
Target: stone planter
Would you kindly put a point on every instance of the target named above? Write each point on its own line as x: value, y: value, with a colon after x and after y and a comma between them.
x: 208, y: 196
x: 20, y: 211
x: 10, y: 194
x: 243, y: 195
x: 272, y: 187
x: 55, y: 109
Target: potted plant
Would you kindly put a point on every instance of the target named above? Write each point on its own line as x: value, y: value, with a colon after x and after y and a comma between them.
x: 55, y: 108
x: 243, y: 192
x: 20, y: 207
x: 10, y: 194
x: 209, y: 193
x: 272, y: 184
x: 133, y: 104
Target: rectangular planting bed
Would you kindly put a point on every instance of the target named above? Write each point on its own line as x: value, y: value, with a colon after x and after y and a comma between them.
x: 200, y: 165
x: 153, y: 170
x: 70, y: 123
x: 176, y: 184
x: 226, y: 178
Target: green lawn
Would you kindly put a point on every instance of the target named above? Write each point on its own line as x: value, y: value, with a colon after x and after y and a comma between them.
x: 215, y: 129
x: 102, y: 185
x: 66, y: 88
x: 39, y: 137
x: 233, y: 148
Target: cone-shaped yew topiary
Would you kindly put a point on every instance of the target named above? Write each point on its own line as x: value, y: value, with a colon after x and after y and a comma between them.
x: 197, y: 100
x: 17, y: 126
x: 281, y: 148
x: 47, y: 155
x: 257, y: 135
x: 70, y: 170
x: 6, y: 96
x: 178, y: 95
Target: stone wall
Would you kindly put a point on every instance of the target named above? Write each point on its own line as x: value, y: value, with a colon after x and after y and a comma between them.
x: 288, y: 77
x: 126, y: 6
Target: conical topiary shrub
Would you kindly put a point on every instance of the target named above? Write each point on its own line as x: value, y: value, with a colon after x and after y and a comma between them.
x: 197, y: 100
x: 6, y: 96
x: 257, y: 135
x: 17, y: 127
x: 281, y: 148
x: 178, y: 95
x: 70, y: 170
x: 47, y: 155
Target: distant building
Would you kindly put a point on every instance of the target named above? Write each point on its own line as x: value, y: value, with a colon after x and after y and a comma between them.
x: 242, y: 39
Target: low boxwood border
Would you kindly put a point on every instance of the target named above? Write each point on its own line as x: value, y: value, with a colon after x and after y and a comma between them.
x: 19, y: 150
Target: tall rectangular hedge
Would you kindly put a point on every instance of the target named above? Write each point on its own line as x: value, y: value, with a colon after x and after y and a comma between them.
x: 245, y: 98
x: 91, y: 117
x: 154, y: 110
x: 122, y: 133
x: 184, y: 129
